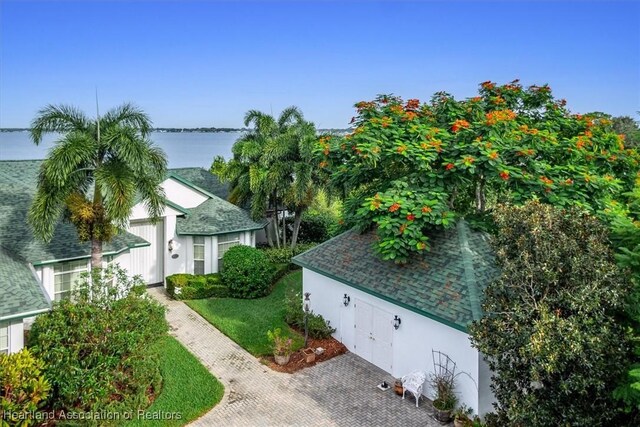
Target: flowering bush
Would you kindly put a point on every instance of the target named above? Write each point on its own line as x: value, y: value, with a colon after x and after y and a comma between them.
x: 282, y: 346
x: 408, y: 167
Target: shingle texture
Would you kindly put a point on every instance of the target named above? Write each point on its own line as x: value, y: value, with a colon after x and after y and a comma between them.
x: 445, y: 284
x: 204, y: 179
x: 216, y: 216
x: 20, y: 290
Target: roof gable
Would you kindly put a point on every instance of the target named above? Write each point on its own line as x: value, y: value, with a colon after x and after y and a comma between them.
x: 445, y: 285
x: 21, y: 292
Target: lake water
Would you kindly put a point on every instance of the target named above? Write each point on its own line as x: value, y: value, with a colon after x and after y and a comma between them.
x: 184, y: 149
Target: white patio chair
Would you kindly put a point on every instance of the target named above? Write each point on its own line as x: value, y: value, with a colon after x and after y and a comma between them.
x: 413, y: 383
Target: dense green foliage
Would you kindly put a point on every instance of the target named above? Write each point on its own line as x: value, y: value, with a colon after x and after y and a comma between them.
x: 188, y: 388
x: 284, y: 255
x: 23, y: 388
x: 628, y: 127
x: 409, y: 167
x: 550, y: 333
x: 317, y: 326
x: 247, y: 272
x: 247, y: 321
x: 96, y: 172
x: 96, y: 345
x: 190, y: 286
x: 272, y: 168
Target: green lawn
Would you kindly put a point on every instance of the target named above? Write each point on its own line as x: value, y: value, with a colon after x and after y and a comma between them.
x: 247, y: 321
x: 187, y: 387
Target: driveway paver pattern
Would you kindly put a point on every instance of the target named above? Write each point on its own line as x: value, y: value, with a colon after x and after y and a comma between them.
x: 339, y: 392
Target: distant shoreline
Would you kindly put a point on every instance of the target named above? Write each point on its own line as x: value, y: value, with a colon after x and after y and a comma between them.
x: 186, y: 130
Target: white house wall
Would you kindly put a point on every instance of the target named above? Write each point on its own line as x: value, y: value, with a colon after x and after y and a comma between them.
x: 16, y: 336
x: 181, y: 194
x: 413, y: 342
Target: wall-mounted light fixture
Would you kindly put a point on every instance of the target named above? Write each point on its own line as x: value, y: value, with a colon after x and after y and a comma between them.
x: 346, y: 299
x: 170, y: 245
x: 396, y: 322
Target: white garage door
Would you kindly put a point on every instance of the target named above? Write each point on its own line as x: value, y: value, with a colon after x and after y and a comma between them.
x: 374, y: 335
x: 148, y: 261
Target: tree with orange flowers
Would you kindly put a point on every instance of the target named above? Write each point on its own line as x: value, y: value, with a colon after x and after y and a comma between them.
x: 408, y: 167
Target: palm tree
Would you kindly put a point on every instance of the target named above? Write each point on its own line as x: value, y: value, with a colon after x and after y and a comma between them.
x: 95, y: 173
x: 272, y: 167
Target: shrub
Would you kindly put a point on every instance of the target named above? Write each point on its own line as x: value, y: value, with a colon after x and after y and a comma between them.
x: 247, y: 272
x: 284, y: 255
x: 95, y: 346
x: 319, y: 328
x: 316, y: 226
x: 550, y: 333
x: 23, y: 387
x: 189, y: 286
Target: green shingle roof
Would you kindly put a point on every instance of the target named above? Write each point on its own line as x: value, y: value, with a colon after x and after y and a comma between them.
x: 216, y: 216
x: 18, y: 180
x: 21, y: 292
x: 445, y: 285
x: 203, y: 179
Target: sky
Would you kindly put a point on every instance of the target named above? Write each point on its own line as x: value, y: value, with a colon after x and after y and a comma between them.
x: 205, y: 63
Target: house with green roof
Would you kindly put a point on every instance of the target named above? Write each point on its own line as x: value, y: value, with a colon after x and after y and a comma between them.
x: 196, y: 228
x: 396, y: 316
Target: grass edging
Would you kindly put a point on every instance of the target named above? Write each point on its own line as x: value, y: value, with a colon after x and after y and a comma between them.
x: 188, y: 388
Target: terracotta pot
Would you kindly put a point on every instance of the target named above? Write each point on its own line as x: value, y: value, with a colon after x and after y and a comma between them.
x: 397, y: 387
x: 309, y: 355
x: 281, y: 359
x: 459, y: 423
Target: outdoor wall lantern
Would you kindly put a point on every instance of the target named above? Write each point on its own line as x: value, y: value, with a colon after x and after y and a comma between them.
x: 346, y: 299
x: 171, y: 245
x: 396, y: 322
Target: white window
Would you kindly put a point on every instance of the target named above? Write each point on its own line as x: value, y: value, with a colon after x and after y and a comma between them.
x: 198, y: 255
x: 65, y: 275
x: 225, y: 242
x: 4, y: 338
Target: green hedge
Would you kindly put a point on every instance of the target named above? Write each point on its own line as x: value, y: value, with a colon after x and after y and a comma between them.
x: 190, y: 286
x: 284, y: 255
x: 247, y: 272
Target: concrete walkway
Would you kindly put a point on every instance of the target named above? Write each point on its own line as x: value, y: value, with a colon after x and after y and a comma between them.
x: 339, y: 392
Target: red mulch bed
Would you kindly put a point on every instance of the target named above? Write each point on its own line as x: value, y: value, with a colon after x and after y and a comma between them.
x: 332, y: 348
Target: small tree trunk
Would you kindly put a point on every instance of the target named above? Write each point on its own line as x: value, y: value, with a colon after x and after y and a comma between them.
x: 284, y: 228
x: 96, y: 254
x: 296, y: 227
x: 268, y: 231
x: 275, y: 227
x: 480, y: 197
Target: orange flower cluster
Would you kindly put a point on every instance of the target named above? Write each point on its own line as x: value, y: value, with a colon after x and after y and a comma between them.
x: 459, y: 124
x: 498, y: 100
x: 401, y: 149
x: 394, y: 207
x: 528, y: 152
x: 449, y: 166
x: 493, y: 155
x: 411, y: 217
x: 468, y: 160
x: 386, y: 121
x: 504, y: 175
x: 476, y: 99
x: 488, y: 85
x: 568, y: 181
x: 546, y: 181
x: 412, y: 104
x: 402, y: 228
x: 410, y: 115
x: 426, y: 209
x: 526, y: 129
x: 432, y: 143
x: 364, y: 105
x: 500, y: 116
x: 396, y: 109
x: 375, y: 204
x: 581, y: 141
x: 323, y: 164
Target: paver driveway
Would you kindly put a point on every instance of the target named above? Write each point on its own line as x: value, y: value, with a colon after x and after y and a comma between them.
x: 339, y: 392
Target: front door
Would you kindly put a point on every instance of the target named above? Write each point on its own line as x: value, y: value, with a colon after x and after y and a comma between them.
x: 374, y: 335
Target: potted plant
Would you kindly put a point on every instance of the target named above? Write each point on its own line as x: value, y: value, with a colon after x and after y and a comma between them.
x: 309, y: 355
x: 462, y: 416
x: 281, y: 346
x: 398, y: 388
x: 445, y: 398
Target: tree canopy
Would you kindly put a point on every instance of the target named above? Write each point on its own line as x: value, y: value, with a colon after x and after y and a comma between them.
x: 408, y: 167
x: 97, y: 170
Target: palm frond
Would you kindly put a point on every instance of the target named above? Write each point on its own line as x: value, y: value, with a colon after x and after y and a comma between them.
x: 58, y: 118
x: 127, y: 115
x: 117, y: 185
